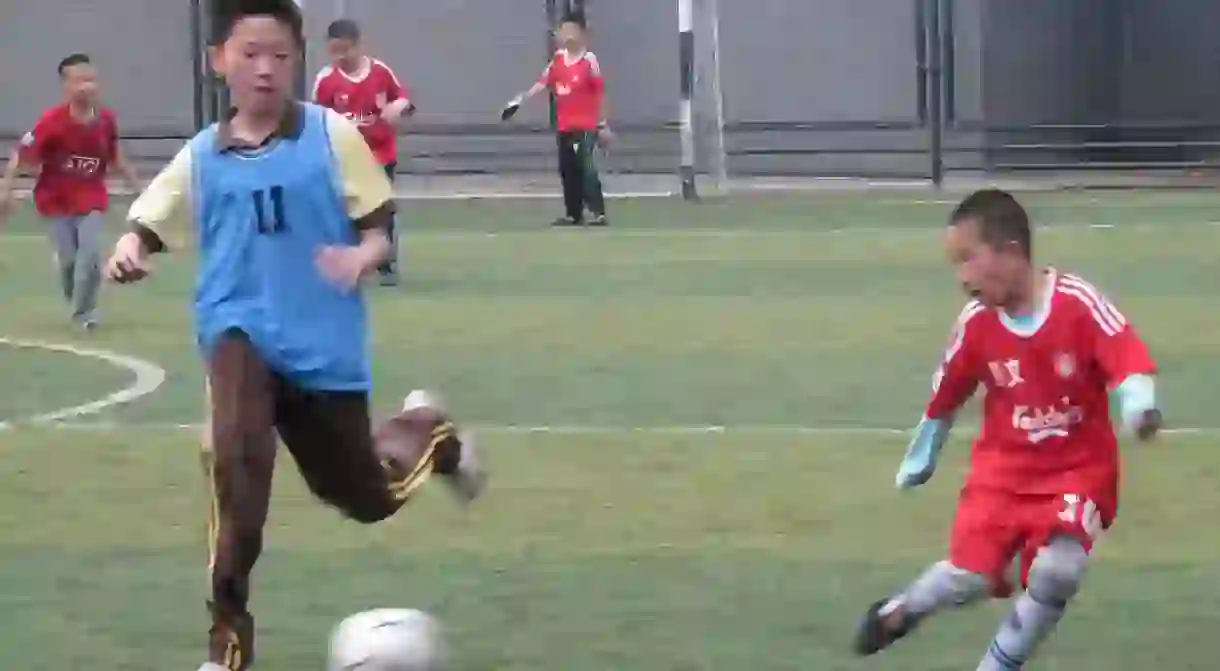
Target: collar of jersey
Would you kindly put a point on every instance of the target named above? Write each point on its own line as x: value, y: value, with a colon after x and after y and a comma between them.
x: 1027, y: 325
x: 360, y: 75
x: 291, y: 126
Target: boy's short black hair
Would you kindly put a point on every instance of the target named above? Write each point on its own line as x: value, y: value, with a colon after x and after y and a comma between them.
x: 71, y: 60
x: 227, y: 13
x: 1001, y: 219
x: 343, y: 29
x: 576, y: 17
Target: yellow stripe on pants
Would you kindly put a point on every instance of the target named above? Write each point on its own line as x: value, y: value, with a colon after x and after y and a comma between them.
x: 209, y: 474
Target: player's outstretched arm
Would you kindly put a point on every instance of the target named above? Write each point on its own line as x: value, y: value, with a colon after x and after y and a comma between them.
x: 1138, y: 406
x: 27, y: 154
x: 396, y: 110
x: 1122, y: 356
x: 510, y: 109
x: 369, y: 200
x: 401, y: 104
x: 151, y: 216
x: 126, y: 169
x: 953, y: 385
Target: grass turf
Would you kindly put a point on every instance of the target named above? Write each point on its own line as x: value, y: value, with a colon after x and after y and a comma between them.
x: 620, y: 544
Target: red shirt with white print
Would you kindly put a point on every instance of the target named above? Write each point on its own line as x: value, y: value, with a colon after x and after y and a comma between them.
x: 579, y: 88
x: 362, y: 97
x: 74, y: 156
x: 1046, y: 411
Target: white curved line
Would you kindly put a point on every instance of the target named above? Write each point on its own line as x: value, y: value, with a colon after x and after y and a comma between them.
x: 148, y: 378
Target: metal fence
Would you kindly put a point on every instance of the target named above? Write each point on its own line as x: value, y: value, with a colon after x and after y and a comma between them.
x: 875, y: 88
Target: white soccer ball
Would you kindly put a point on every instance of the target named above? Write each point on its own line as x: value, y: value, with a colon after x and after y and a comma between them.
x: 387, y: 639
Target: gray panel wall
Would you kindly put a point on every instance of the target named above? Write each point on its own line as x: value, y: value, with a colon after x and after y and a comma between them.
x: 637, y: 40
x: 818, y: 60
x: 821, y: 61
x: 1015, y: 62
x: 1049, y: 61
x: 462, y: 59
x: 1088, y: 62
x: 142, y: 48
x: 1171, y: 61
x: 966, y: 101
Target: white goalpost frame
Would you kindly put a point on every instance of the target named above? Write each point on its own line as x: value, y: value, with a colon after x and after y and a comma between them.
x: 686, y: 86
x: 701, y: 102
x: 719, y: 162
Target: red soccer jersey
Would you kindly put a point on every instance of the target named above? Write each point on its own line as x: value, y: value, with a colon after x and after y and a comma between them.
x: 74, y: 156
x: 362, y: 97
x: 578, y: 88
x: 1046, y: 412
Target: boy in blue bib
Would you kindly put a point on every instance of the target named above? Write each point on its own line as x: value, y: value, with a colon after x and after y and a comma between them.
x: 290, y: 212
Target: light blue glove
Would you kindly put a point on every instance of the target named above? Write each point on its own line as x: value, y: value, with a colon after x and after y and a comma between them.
x: 919, y: 463
x: 1136, y: 396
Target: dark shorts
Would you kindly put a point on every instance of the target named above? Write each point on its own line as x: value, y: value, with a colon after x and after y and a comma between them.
x: 391, y: 169
x: 328, y: 433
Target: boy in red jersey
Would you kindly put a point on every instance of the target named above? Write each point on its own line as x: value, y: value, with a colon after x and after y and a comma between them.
x: 1049, y: 349
x: 366, y: 91
x: 75, y: 143
x: 576, y: 78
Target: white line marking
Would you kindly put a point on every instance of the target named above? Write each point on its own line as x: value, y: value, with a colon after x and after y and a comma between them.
x: 148, y: 378
x: 732, y: 233
x: 25, y: 194
x: 526, y: 195
x: 578, y: 430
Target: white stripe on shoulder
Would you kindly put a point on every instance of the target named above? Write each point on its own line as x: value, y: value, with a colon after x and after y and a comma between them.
x: 594, y: 65
x: 317, y: 81
x: 972, y: 308
x: 958, y: 337
x: 389, y: 70
x: 1103, y: 312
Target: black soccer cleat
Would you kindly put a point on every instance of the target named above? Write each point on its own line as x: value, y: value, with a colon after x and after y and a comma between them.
x: 509, y: 111
x: 872, y: 634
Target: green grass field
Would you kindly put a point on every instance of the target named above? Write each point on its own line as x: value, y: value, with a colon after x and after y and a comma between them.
x: 624, y: 538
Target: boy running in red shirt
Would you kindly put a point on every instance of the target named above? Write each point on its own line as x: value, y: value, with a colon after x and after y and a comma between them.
x: 74, y: 144
x: 1048, y: 349
x: 366, y: 91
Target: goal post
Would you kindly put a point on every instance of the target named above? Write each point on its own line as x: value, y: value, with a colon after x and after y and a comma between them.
x: 686, y: 86
x: 708, y: 98
x: 701, y: 102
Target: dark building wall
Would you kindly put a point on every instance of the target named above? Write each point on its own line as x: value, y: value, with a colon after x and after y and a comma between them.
x: 1171, y: 61
x: 1123, y: 63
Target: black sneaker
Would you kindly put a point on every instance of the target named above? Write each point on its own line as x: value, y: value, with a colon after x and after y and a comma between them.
x: 872, y: 634
x: 566, y: 221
